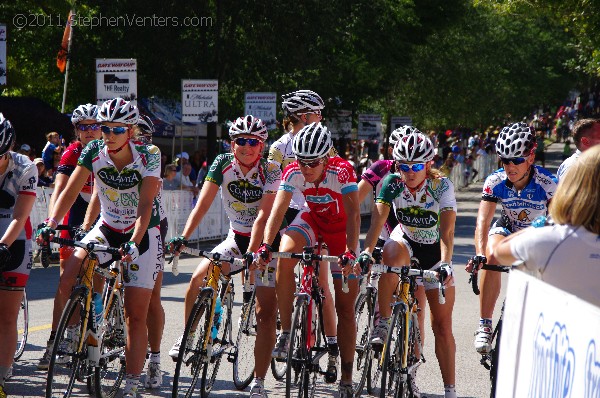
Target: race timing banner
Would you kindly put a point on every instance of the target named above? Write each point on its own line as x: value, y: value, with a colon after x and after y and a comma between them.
x: 3, y: 67
x: 116, y: 78
x: 262, y: 106
x: 199, y: 101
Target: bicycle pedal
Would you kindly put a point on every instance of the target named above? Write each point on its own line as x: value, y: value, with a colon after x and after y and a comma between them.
x: 330, y: 376
x: 231, y: 357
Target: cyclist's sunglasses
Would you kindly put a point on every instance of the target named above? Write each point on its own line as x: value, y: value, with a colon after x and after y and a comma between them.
x: 310, y: 164
x: 515, y: 161
x: 84, y: 127
x: 241, y: 141
x: 114, y: 130
x: 414, y: 167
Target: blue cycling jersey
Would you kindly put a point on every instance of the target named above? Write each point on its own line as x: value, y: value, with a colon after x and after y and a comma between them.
x: 520, y: 208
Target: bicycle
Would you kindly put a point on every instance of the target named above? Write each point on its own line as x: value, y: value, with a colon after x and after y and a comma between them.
x: 22, y: 327
x: 399, y: 359
x: 307, y: 335
x: 84, y: 351
x: 202, y: 349
x: 490, y: 360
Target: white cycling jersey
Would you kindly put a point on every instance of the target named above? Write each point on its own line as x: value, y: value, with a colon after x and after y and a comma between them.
x: 281, y: 154
x: 242, y: 194
x: 119, y: 191
x: 20, y: 178
x: 564, y: 166
x: 564, y: 256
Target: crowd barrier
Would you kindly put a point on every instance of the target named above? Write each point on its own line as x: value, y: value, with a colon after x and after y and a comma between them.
x: 178, y: 205
x: 484, y: 164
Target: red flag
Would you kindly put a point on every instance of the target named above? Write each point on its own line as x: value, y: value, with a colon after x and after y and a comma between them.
x: 61, y: 58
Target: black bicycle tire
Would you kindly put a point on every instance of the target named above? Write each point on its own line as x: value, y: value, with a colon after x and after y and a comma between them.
x: 77, y: 298
x: 395, y: 331
x: 242, y: 383
x: 206, y: 383
x: 495, y: 353
x: 363, y: 303
x: 298, y: 326
x: 202, y: 302
x: 100, y: 393
x: 278, y: 367
x: 22, y: 341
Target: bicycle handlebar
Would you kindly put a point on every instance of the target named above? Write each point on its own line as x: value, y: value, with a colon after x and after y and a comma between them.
x: 90, y: 246
x: 488, y: 267
x: 213, y: 256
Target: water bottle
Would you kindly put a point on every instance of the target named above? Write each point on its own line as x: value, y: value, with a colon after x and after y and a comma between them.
x: 97, y: 301
x: 217, y: 319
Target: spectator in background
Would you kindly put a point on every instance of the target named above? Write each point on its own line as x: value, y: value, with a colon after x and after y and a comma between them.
x: 43, y: 179
x: 201, y: 174
x: 53, y: 146
x: 566, y: 150
x: 25, y: 150
x: 170, y: 181
x: 540, y: 150
x: 181, y: 160
x: 448, y: 165
x: 184, y: 176
x: 196, y: 161
x: 586, y: 134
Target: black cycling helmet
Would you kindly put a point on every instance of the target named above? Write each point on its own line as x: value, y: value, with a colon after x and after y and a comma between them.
x: 7, y: 135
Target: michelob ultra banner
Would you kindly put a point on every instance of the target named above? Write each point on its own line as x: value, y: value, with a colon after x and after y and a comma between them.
x: 550, y: 345
x: 399, y: 121
x: 2, y: 55
x: 262, y: 106
x: 340, y: 124
x: 369, y: 127
x: 199, y: 101
x: 116, y: 78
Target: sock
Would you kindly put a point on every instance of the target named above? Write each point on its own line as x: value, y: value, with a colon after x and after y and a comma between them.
x: 332, y: 345
x: 331, y: 339
x: 3, y: 372
x: 485, y: 322
x: 131, y: 383
x: 258, y: 381
x: 155, y: 357
x: 449, y: 391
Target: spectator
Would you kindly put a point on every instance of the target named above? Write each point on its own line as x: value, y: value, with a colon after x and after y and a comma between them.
x: 183, y: 158
x: 196, y: 161
x: 201, y: 174
x: 43, y: 179
x: 448, y: 165
x: 555, y: 252
x: 540, y: 150
x: 566, y: 150
x: 184, y: 177
x: 170, y: 181
x: 586, y: 134
x: 52, y: 146
x: 25, y: 150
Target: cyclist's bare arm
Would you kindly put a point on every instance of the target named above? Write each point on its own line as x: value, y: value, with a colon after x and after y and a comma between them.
x: 280, y: 206
x: 60, y: 183
x: 502, y: 253
x: 256, y: 236
x: 148, y: 191
x: 447, y: 222
x: 92, y: 212
x: 67, y: 197
x: 378, y: 218
x: 21, y: 212
x: 364, y: 189
x: 484, y: 219
x: 352, y: 208
x: 207, y: 196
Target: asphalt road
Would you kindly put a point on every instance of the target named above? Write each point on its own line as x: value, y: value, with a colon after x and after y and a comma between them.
x: 471, y: 378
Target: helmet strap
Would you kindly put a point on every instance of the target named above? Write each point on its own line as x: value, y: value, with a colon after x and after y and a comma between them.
x: 248, y: 166
x: 119, y: 148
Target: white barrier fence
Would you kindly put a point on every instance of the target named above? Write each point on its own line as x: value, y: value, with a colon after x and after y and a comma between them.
x: 484, y: 164
x: 178, y: 205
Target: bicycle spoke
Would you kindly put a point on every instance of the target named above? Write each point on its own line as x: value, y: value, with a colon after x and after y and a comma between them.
x: 22, y: 327
x: 243, y: 366
x: 221, y: 343
x: 297, y: 354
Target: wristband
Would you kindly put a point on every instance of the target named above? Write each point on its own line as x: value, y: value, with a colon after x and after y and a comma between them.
x: 47, y: 220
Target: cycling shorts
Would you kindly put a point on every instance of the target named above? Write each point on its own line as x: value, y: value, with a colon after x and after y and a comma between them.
x: 429, y: 255
x: 149, y: 264
x: 336, y: 242
x: 236, y: 245
x: 17, y: 270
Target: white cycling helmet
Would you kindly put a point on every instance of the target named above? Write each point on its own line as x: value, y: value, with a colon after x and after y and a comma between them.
x: 312, y: 142
x: 302, y: 101
x: 118, y: 110
x: 400, y: 132
x: 145, y: 124
x: 7, y: 135
x: 415, y: 147
x: 248, y: 125
x: 515, y: 141
x: 84, y: 112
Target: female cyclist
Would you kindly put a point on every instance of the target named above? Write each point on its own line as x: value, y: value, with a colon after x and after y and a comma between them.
x: 87, y: 129
x: 248, y: 186
x: 425, y: 206
x: 127, y: 181
x: 332, y: 216
x: 18, y: 182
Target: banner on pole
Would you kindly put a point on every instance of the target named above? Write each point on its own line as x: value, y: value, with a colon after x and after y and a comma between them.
x: 116, y: 78
x: 340, y: 124
x: 200, y: 101
x: 369, y: 127
x: 262, y: 106
x: 399, y: 121
x: 63, y: 53
x: 3, y: 67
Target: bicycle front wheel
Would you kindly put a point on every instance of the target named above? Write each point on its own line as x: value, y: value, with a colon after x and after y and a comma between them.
x: 393, y: 379
x: 220, y: 344
x: 296, y: 376
x: 22, y: 326
x: 364, y: 319
x: 278, y: 366
x: 109, y: 375
x: 243, y: 365
x: 68, y: 363
x: 192, y: 355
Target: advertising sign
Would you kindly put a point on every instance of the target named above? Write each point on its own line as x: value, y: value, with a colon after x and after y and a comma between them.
x: 200, y: 101
x: 340, y: 124
x: 3, y: 55
x: 116, y: 78
x: 369, y: 127
x: 262, y: 106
